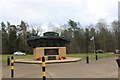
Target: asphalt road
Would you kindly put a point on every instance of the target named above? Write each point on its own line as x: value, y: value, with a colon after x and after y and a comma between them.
x: 103, y: 68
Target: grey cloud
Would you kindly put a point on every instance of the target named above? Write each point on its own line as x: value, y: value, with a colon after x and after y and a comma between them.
x: 58, y: 11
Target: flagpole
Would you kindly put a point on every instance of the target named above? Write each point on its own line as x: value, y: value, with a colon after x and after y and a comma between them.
x: 96, y: 57
x: 93, y: 39
x: 94, y: 44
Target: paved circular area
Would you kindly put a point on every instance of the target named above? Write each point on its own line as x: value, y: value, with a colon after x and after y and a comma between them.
x: 31, y: 61
x: 103, y: 68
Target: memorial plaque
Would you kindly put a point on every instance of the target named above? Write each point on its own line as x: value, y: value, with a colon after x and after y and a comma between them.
x: 51, y: 52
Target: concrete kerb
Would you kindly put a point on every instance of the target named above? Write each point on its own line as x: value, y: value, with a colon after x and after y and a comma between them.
x: 67, y: 60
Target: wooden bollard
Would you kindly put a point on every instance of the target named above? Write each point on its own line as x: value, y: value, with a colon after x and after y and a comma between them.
x: 12, y: 67
x: 96, y: 57
x: 87, y: 59
x: 8, y: 61
x: 43, y: 69
x: 118, y: 62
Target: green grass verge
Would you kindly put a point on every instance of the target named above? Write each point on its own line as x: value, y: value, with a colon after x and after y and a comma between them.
x: 91, y: 55
x: 78, y: 55
x: 4, y: 57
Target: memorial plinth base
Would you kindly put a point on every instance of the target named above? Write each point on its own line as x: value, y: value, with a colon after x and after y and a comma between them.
x: 50, y: 53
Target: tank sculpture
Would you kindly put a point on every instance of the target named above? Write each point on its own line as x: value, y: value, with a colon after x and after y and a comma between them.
x: 49, y: 39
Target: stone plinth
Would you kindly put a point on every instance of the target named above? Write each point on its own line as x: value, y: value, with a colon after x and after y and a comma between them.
x: 55, y: 52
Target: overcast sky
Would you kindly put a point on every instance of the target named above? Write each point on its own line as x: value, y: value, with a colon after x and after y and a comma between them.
x: 58, y: 12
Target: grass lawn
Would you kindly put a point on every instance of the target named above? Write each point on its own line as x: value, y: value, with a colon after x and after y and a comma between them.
x: 4, y: 57
x: 78, y: 55
x: 91, y: 55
